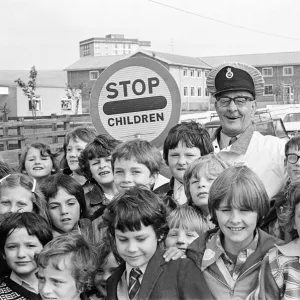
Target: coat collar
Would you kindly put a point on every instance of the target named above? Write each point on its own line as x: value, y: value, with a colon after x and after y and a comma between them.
x: 240, y: 146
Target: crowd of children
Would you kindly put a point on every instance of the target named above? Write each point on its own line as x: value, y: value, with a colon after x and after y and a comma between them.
x: 104, y: 223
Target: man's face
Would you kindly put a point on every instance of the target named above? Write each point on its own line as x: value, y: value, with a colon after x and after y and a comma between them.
x: 235, y: 119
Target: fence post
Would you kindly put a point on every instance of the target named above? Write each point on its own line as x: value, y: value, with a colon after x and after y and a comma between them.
x: 67, y: 123
x: 5, y: 132
x: 54, y: 128
x: 20, y: 131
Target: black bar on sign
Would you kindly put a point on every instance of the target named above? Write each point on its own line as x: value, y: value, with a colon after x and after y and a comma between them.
x: 134, y: 105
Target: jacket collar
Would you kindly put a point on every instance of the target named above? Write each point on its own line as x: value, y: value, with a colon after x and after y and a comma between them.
x: 265, y: 242
x: 151, y: 275
x: 240, y: 146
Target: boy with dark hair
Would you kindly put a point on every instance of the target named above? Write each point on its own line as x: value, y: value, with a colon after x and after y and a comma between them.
x: 136, y: 222
x: 185, y: 142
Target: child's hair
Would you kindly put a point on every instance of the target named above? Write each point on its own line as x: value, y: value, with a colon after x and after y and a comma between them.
x: 238, y: 187
x: 187, y: 218
x: 142, y: 151
x: 53, y: 183
x: 192, y: 134
x: 45, y: 151
x: 294, y: 142
x: 101, y: 146
x: 287, y: 218
x: 134, y: 207
x: 34, y: 224
x: 212, y: 164
x: 37, y: 197
x: 84, y: 133
x: 5, y: 169
x: 82, y: 257
x: 103, y: 249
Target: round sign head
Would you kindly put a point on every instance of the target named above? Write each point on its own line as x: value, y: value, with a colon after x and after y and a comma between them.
x: 135, y: 98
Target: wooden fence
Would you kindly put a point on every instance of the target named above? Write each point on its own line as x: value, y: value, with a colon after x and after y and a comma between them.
x: 51, y: 130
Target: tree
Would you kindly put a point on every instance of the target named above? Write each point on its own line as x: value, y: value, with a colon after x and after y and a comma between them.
x: 76, y: 92
x: 29, y: 89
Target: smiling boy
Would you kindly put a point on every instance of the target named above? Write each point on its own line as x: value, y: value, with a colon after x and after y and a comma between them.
x: 136, y: 222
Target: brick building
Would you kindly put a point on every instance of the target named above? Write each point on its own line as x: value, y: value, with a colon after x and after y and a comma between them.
x: 281, y: 72
x: 189, y: 73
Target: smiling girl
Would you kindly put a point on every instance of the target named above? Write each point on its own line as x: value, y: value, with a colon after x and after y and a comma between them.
x: 230, y: 255
x: 23, y: 235
x: 38, y: 161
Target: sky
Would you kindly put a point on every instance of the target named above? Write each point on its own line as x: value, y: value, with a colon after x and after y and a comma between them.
x: 46, y: 33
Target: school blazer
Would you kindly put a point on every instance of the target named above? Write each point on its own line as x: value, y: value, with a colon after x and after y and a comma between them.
x: 165, y: 280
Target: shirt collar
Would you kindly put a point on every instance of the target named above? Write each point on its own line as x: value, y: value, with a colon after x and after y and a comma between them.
x: 32, y: 288
x: 291, y: 249
x: 214, y: 249
x: 179, y: 194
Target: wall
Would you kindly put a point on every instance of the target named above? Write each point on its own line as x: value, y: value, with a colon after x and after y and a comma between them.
x: 51, y: 102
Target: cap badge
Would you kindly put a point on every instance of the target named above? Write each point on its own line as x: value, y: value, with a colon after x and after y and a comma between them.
x: 229, y: 73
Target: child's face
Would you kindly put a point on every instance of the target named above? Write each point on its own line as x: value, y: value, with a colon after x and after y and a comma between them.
x: 179, y: 159
x: 297, y: 218
x: 293, y: 170
x: 64, y: 210
x: 136, y: 247
x: 74, y: 149
x: 199, y: 188
x: 16, y: 199
x: 104, y: 273
x: 238, y: 227
x: 58, y: 284
x: 19, y: 250
x: 101, y: 170
x: 180, y: 238
x: 129, y: 173
x: 36, y: 165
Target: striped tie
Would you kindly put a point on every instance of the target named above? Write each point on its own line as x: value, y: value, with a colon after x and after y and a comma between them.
x: 134, y: 284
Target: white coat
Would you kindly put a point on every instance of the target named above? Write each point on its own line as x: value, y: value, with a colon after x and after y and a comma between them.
x: 264, y: 155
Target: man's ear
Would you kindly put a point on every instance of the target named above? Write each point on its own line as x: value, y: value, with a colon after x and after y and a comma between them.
x: 254, y: 107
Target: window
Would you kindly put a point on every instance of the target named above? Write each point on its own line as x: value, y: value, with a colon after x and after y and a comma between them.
x: 37, y: 101
x: 199, y: 73
x: 94, y: 75
x: 268, y: 89
x: 116, y: 46
x: 206, y: 92
x: 185, y: 72
x: 267, y: 72
x: 288, y: 71
x: 185, y: 91
x: 66, y: 104
x: 192, y: 91
x: 192, y: 73
x: 206, y: 73
x: 199, y: 92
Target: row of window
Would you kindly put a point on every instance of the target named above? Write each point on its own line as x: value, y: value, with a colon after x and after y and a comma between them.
x: 286, y: 71
x: 193, y: 73
x: 194, y: 92
x: 66, y: 104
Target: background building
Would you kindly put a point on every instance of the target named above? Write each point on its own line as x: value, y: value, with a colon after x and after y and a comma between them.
x: 189, y: 73
x: 281, y: 72
x: 111, y: 44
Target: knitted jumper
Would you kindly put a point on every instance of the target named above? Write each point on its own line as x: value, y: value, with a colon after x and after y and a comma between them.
x: 10, y: 290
